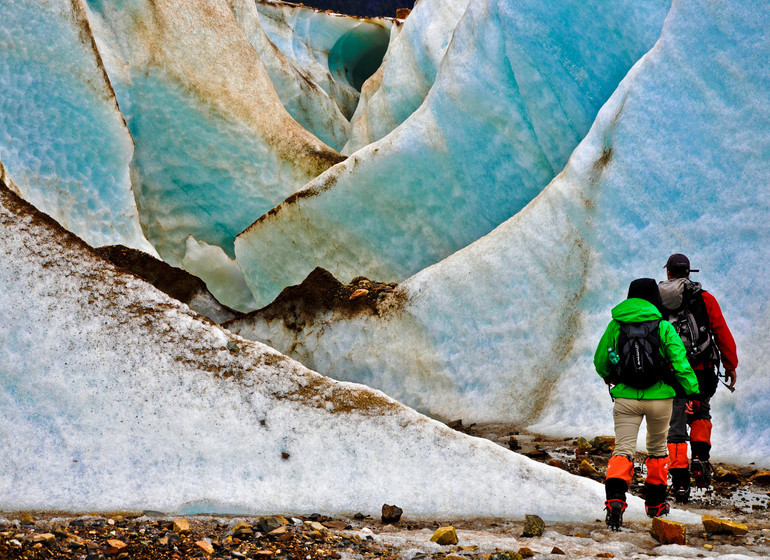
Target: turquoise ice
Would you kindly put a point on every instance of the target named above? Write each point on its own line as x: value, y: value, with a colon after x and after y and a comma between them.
x: 516, y: 91
x: 676, y: 161
x: 63, y: 142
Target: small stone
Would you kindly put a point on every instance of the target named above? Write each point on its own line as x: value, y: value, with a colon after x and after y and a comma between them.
x: 335, y: 524
x: 444, y: 536
x: 533, y: 526
x: 605, y: 555
x: 242, y: 530
x: 283, y: 529
x: 513, y: 444
x: 14, y: 543
x: 391, y: 514
x: 713, y: 524
x: 43, y: 538
x: 668, y: 532
x: 525, y: 552
x: 723, y: 475
x: 315, y: 526
x: 556, y: 463
x: 205, y: 545
x: 762, y: 477
x: 602, y: 444
x: 708, y: 546
x: 264, y: 553
x: 267, y: 524
x: 508, y: 555
x: 557, y: 550
x: 180, y: 526
x: 26, y: 518
x: 455, y: 557
x: 582, y: 446
x: 402, y: 13
x: 587, y: 469
x: 361, y: 292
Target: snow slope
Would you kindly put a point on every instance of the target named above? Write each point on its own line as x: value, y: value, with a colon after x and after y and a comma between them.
x: 517, y: 90
x: 114, y: 396
x: 677, y: 161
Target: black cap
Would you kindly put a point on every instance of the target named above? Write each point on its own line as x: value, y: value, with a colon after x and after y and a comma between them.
x: 647, y: 289
x: 679, y: 263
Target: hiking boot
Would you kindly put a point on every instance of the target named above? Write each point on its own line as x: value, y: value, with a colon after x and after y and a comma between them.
x: 681, y: 494
x: 657, y: 511
x: 701, y: 472
x: 615, y: 509
x: 680, y: 485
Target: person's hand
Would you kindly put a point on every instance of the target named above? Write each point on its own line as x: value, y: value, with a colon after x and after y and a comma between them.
x: 730, y: 377
x: 692, y: 406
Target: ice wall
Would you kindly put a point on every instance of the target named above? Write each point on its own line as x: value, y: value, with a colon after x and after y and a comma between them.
x: 214, y: 146
x: 314, y: 41
x: 407, y: 72
x: 677, y: 161
x: 114, y: 396
x: 63, y: 141
x: 305, y: 100
x: 517, y: 90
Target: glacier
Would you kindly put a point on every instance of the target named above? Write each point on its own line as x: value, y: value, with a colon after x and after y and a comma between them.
x: 115, y: 396
x: 63, y: 142
x: 407, y: 72
x: 215, y: 147
x: 676, y: 161
x: 480, y: 147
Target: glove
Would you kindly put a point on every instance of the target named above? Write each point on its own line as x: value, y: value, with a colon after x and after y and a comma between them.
x: 730, y: 377
x: 692, y: 406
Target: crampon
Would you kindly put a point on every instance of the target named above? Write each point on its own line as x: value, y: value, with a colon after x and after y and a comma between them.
x: 615, y: 509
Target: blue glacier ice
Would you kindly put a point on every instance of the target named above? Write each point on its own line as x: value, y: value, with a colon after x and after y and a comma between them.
x: 333, y: 49
x: 677, y: 160
x: 407, y: 73
x: 63, y: 142
x: 132, y: 401
x: 214, y: 146
x: 516, y: 91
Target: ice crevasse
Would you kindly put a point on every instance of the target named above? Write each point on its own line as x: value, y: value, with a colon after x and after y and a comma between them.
x: 115, y: 396
x: 517, y: 89
x: 676, y: 161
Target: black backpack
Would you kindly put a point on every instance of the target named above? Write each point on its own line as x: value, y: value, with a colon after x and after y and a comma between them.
x: 691, y: 321
x: 640, y: 365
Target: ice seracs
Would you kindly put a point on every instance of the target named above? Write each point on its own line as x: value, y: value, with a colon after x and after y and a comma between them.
x: 517, y: 89
x: 115, y: 396
x: 507, y: 327
x: 63, y: 142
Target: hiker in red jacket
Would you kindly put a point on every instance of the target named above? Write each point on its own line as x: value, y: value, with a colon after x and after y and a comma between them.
x: 698, y: 319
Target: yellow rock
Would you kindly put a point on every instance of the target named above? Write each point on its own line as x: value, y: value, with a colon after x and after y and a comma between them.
x: 708, y: 546
x: 714, y: 524
x: 180, y: 526
x: 668, y: 532
x: 205, y: 546
x: 444, y: 536
x: 587, y: 469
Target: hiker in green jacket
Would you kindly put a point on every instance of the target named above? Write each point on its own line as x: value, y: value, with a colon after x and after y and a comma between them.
x: 641, y: 357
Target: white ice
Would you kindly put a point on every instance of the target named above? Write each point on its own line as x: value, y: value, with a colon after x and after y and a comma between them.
x: 63, y: 142
x: 677, y: 161
x: 114, y: 397
x: 214, y: 146
x: 518, y: 88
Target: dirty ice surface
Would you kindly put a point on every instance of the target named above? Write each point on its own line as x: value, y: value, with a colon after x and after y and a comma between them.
x: 506, y: 328
x: 517, y: 89
x: 63, y: 142
x: 214, y: 145
x: 115, y: 396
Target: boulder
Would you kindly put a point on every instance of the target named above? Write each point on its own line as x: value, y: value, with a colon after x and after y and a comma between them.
x: 391, y: 514
x: 533, y: 526
x: 668, y: 532
x: 762, y: 477
x: 445, y: 536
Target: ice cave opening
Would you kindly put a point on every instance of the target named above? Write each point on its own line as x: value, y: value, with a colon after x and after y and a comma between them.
x: 358, y: 53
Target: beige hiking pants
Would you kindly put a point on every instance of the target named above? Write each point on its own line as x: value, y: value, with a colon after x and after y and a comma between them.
x: 628, y: 414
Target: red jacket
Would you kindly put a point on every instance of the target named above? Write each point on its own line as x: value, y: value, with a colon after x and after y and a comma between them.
x: 722, y: 335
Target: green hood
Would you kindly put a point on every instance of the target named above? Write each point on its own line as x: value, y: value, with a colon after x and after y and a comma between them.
x: 635, y: 310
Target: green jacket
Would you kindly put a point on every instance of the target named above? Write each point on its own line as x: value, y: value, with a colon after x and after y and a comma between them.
x: 634, y: 310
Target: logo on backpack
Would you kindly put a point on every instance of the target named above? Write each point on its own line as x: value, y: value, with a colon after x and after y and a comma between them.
x: 640, y: 363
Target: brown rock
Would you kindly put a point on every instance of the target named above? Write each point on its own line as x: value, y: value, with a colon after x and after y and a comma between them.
x: 43, y: 538
x: 402, y: 13
x: 762, y: 477
x: 668, y: 532
x: 361, y: 292
x: 713, y: 524
x: 605, y: 555
x: 602, y: 444
x: 283, y: 529
x: 557, y: 550
x: 206, y: 546
x: 723, y: 475
x: 582, y: 446
x: 335, y: 524
x: 587, y: 469
x: 180, y: 526
x: 26, y: 518
x: 391, y: 514
x: 444, y: 536
x: 513, y: 444
x: 525, y: 552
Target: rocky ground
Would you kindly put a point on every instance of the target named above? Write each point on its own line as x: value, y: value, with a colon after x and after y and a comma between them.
x: 739, y: 493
